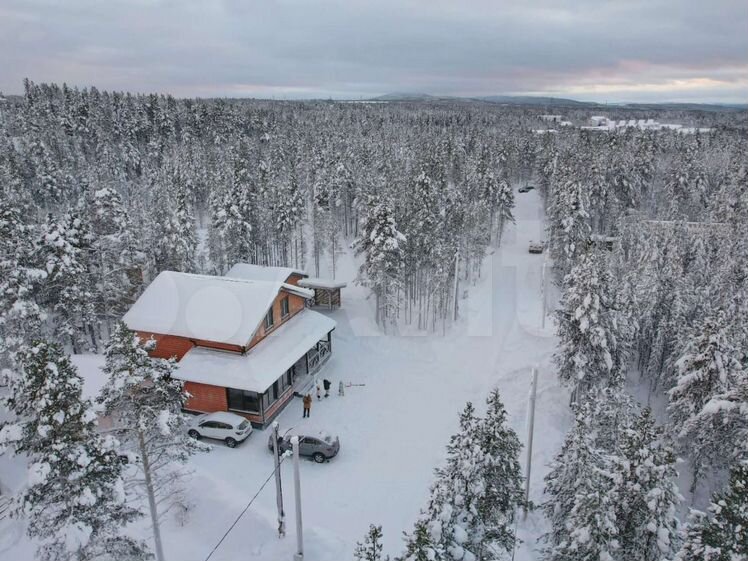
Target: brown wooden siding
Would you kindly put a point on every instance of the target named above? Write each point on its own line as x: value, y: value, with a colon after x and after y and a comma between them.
x: 205, y: 398
x: 167, y: 346
x: 295, y: 305
x: 294, y: 279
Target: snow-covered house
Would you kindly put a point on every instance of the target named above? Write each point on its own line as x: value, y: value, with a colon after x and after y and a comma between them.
x: 243, y: 344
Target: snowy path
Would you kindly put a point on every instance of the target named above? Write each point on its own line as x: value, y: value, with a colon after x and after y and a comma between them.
x: 393, y: 429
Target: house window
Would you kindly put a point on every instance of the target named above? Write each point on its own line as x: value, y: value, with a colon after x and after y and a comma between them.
x: 269, y: 319
x: 284, y: 307
x: 241, y: 400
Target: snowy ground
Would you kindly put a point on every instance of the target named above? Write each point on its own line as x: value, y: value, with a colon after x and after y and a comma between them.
x: 393, y: 428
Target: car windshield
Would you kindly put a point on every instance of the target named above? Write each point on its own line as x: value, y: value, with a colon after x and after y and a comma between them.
x: 243, y: 424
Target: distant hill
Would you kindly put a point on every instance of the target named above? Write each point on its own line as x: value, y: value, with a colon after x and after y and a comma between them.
x: 561, y: 102
x: 533, y: 100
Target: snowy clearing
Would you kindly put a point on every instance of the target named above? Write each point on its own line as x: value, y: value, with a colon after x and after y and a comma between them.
x: 393, y: 422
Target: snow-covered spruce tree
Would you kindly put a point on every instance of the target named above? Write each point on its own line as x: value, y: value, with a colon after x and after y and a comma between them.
x: 75, y: 500
x: 421, y: 546
x: 115, y: 261
x: 708, y: 366
x: 62, y: 252
x: 581, y: 501
x: 380, y: 244
x: 21, y: 317
x: 174, y: 236
x: 717, y: 437
x: 452, y: 512
x: 371, y: 549
x: 649, y: 497
x: 722, y: 535
x: 145, y: 404
x: 581, y: 507
x: 569, y: 222
x: 502, y: 493
x: 589, y: 354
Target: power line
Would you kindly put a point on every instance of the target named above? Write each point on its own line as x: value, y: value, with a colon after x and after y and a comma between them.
x: 246, y: 508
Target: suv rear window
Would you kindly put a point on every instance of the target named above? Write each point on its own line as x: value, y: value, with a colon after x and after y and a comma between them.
x: 243, y: 424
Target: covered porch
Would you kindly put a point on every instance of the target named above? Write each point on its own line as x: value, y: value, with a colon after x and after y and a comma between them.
x: 326, y: 292
x: 259, y: 383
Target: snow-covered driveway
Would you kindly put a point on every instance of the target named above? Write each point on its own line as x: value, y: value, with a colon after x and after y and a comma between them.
x: 393, y: 429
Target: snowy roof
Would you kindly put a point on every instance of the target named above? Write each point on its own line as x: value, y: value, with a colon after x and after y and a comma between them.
x: 328, y: 284
x: 257, y: 369
x: 249, y: 271
x: 219, y: 309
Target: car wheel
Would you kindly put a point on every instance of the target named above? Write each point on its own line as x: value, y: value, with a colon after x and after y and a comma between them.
x: 230, y: 442
x: 194, y: 434
x: 318, y: 457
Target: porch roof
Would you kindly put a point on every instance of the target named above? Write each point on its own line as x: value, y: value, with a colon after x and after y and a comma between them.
x: 257, y: 369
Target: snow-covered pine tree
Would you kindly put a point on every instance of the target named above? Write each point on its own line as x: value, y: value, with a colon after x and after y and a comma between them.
x: 21, y: 317
x: 502, y: 494
x: 708, y: 366
x: 722, y: 535
x: 371, y: 549
x: 145, y: 403
x: 589, y: 354
x: 648, y: 497
x: 421, y: 546
x: 75, y: 500
x: 582, y: 500
x: 569, y: 222
x: 380, y: 244
x: 115, y: 261
x: 233, y: 217
x: 452, y: 514
x: 62, y: 252
x: 174, y: 242
x: 717, y: 437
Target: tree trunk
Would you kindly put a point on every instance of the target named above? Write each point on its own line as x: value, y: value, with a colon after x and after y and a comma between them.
x: 151, y: 496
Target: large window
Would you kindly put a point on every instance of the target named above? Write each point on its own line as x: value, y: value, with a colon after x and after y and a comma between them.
x: 241, y: 400
x: 284, y: 307
x: 269, y: 319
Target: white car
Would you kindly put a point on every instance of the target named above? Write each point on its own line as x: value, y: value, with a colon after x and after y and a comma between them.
x: 229, y: 427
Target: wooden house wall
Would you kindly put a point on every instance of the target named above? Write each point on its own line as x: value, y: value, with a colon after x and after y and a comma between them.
x: 295, y: 305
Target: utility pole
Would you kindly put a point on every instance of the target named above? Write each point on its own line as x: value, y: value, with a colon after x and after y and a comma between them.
x: 278, y: 486
x: 530, y: 430
x: 299, y: 555
x: 457, y: 275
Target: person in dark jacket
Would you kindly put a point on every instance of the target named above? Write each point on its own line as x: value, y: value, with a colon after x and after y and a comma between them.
x: 327, y: 385
x: 307, y: 404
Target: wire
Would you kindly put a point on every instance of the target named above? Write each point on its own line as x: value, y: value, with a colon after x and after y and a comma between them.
x: 246, y: 508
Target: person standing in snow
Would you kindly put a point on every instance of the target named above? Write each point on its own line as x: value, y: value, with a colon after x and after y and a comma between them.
x: 307, y: 404
x: 319, y: 392
x: 341, y: 388
x: 327, y: 385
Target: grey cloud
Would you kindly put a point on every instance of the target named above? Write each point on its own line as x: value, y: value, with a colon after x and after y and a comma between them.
x: 303, y: 48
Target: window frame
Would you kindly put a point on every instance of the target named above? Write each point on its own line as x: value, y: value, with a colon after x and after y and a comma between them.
x: 285, y: 308
x: 269, y: 321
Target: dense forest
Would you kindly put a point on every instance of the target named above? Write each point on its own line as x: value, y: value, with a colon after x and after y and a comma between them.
x: 647, y: 231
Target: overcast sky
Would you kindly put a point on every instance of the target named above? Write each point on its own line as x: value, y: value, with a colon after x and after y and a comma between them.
x: 620, y: 50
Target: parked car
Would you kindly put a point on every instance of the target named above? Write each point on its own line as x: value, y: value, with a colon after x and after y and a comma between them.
x: 320, y: 447
x: 536, y: 247
x: 229, y: 427
x: 526, y: 188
